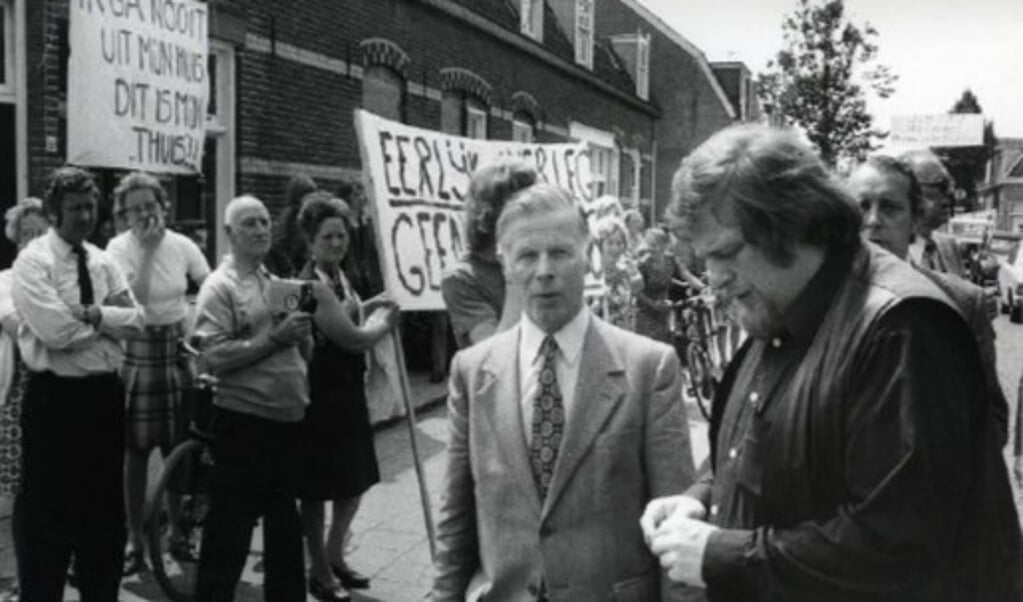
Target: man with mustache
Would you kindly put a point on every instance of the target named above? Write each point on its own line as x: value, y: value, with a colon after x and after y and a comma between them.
x: 853, y: 454
x: 890, y: 199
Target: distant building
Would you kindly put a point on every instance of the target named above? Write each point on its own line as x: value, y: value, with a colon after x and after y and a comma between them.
x: 1003, y: 188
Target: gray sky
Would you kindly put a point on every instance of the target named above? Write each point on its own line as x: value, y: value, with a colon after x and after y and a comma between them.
x: 937, y: 47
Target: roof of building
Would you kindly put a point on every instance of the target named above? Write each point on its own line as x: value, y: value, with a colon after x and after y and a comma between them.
x: 689, y: 47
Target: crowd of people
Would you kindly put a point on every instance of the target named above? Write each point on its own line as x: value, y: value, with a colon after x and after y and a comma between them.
x: 855, y: 440
x: 94, y: 370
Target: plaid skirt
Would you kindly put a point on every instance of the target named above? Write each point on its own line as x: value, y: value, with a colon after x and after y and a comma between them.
x: 154, y: 376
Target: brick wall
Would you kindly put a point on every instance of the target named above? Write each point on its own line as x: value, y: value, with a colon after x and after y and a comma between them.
x: 297, y: 113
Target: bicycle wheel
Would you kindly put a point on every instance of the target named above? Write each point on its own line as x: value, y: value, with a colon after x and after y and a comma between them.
x: 701, y: 377
x: 174, y: 522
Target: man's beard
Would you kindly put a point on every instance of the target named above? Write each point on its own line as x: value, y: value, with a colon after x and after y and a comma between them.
x: 757, y: 316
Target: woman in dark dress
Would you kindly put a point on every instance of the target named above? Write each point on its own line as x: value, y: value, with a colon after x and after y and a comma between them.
x: 340, y: 462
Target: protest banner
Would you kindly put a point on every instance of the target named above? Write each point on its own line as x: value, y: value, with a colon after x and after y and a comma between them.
x: 138, y: 84
x: 418, y: 183
x: 942, y: 130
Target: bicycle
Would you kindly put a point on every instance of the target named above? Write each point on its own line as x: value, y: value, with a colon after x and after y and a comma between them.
x: 178, y: 504
x: 692, y: 325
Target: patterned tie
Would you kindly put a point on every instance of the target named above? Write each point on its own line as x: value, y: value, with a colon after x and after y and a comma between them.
x: 548, y: 420
x: 85, y: 295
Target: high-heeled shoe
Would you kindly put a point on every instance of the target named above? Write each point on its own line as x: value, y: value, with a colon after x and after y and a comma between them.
x: 327, y: 593
x: 349, y: 577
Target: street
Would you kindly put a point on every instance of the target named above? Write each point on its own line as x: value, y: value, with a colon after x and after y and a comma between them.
x: 389, y: 540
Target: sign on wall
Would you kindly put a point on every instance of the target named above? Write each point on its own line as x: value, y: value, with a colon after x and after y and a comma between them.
x: 138, y: 84
x: 931, y: 131
x: 418, y: 185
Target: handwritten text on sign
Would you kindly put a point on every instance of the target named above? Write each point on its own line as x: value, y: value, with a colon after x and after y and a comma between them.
x: 137, y: 84
x: 419, y: 182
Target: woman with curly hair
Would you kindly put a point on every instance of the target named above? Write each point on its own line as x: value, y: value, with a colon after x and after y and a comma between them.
x: 25, y: 221
x: 473, y: 290
x: 339, y: 463
x: 622, y: 279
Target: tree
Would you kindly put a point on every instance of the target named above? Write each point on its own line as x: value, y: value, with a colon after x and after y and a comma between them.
x: 966, y: 164
x: 818, y: 81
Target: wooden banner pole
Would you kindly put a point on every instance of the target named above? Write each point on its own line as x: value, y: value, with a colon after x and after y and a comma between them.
x: 410, y: 415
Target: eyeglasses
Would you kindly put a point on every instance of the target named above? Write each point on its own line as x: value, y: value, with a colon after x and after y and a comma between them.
x: 150, y: 207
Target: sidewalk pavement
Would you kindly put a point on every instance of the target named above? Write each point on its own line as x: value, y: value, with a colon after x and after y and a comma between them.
x: 388, y: 541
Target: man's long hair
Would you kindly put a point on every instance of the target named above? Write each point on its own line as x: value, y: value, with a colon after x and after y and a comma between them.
x: 772, y: 186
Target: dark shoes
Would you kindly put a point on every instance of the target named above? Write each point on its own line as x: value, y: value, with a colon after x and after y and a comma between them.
x: 350, y: 578
x: 134, y: 562
x: 327, y: 593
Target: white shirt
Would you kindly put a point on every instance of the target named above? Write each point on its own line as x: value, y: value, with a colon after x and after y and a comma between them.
x: 46, y: 288
x: 566, y: 364
x: 174, y: 259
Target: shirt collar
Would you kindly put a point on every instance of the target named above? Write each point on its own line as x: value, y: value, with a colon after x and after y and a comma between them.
x: 245, y: 271
x: 802, y: 318
x: 60, y: 246
x: 569, y: 338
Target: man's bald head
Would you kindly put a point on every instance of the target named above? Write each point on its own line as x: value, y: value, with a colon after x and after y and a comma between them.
x: 236, y: 205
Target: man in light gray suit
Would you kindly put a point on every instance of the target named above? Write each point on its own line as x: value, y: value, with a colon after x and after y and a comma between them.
x: 562, y: 428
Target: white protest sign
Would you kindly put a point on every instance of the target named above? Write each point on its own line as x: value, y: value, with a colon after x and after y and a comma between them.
x: 928, y: 131
x: 137, y: 84
x: 418, y: 186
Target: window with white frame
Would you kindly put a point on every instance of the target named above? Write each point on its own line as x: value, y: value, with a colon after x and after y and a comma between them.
x: 584, y: 33
x: 643, y: 66
x: 219, y: 160
x: 475, y: 119
x: 604, y: 157
x: 6, y: 50
x: 522, y: 128
x: 531, y: 18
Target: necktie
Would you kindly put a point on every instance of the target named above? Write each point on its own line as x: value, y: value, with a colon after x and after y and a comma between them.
x: 85, y: 295
x: 548, y: 420
x: 932, y: 260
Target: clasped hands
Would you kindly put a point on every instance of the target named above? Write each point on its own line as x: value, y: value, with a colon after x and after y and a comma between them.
x: 675, y: 531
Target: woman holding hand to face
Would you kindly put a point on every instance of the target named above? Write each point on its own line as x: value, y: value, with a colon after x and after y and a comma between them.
x: 157, y: 263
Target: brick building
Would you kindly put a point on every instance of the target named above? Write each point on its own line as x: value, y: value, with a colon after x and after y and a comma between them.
x: 286, y: 75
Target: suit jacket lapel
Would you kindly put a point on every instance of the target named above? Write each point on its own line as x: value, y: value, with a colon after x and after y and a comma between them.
x: 598, y: 392
x: 500, y: 395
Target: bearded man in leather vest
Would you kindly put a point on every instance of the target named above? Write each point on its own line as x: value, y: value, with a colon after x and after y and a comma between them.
x: 853, y: 456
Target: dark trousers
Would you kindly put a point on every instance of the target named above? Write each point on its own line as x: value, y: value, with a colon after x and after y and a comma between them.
x: 253, y: 475
x: 71, y: 499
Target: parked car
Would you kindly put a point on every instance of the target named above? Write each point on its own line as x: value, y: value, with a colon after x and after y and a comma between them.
x: 1010, y: 273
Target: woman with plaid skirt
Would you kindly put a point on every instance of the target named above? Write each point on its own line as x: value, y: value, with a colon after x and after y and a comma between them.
x: 158, y: 264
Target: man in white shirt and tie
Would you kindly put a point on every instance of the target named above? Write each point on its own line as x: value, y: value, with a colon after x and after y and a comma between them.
x: 562, y: 428
x: 74, y: 307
